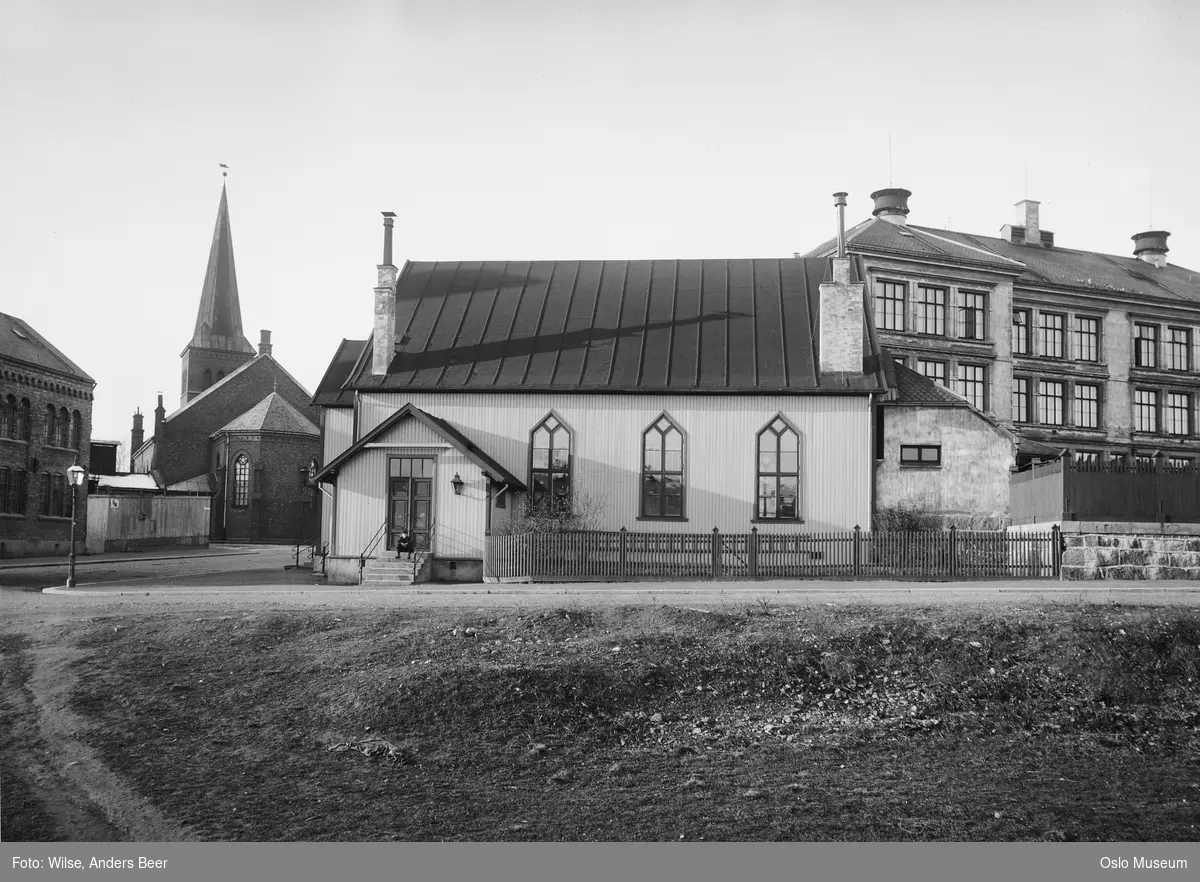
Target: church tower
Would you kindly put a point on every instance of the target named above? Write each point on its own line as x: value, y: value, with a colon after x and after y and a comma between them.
x: 217, y: 347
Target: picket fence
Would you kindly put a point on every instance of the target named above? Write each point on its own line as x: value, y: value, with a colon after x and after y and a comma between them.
x: 623, y: 555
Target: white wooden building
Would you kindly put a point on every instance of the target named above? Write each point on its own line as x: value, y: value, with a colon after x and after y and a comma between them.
x: 672, y: 396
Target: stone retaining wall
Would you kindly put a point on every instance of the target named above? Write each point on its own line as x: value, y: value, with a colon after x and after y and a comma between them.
x: 1091, y: 556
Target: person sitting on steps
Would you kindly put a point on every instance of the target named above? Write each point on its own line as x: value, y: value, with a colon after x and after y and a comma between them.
x: 404, y: 544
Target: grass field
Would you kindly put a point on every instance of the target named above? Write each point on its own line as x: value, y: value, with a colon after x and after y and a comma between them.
x: 653, y: 722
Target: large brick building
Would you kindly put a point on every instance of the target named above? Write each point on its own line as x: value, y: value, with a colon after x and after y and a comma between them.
x: 1096, y: 354
x: 45, y: 428
x: 245, y: 429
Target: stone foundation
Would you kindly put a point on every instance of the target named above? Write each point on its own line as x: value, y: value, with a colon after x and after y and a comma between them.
x: 1111, y: 556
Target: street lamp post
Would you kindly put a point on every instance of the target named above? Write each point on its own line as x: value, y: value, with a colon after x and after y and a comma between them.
x: 77, y: 474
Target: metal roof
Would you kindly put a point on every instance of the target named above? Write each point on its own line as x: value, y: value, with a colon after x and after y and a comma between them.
x: 273, y: 414
x: 613, y: 326
x: 219, y: 318
x: 329, y: 391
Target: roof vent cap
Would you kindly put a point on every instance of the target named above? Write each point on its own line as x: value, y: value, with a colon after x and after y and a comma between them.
x: 891, y: 204
x: 1151, y: 246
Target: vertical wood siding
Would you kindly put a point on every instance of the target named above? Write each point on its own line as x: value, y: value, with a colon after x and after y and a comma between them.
x: 120, y: 523
x: 720, y: 458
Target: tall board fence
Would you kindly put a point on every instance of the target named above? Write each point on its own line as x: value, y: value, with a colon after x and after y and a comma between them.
x: 625, y: 556
x: 128, y: 523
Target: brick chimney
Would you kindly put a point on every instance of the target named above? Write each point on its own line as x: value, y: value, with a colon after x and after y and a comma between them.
x: 264, y: 342
x: 160, y: 416
x: 891, y: 205
x: 384, y: 334
x: 841, y: 329
x: 137, y: 437
x: 1151, y: 246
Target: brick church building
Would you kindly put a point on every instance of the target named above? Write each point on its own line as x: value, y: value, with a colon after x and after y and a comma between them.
x: 244, y: 431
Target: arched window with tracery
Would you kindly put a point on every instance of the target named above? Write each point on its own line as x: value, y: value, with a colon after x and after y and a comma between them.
x: 550, y: 470
x: 241, y: 481
x: 662, y: 470
x: 778, y: 471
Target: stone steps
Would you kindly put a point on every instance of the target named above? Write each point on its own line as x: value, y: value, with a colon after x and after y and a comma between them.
x: 391, y: 572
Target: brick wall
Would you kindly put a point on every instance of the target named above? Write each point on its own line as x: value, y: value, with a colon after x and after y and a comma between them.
x: 280, y: 508
x: 38, y: 531
x: 184, y: 451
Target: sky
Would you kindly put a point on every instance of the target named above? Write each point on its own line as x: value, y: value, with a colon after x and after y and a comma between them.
x: 522, y: 129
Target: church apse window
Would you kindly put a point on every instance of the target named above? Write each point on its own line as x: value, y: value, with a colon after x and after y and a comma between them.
x: 241, y: 481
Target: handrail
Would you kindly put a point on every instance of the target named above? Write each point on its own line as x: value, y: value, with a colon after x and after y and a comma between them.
x: 379, y: 534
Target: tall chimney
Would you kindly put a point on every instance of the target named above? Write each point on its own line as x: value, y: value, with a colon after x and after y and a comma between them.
x: 839, y: 199
x: 383, y: 338
x: 1151, y: 246
x: 1027, y: 216
x: 160, y: 415
x: 137, y: 437
x: 841, y: 328
x: 264, y: 342
x: 891, y: 205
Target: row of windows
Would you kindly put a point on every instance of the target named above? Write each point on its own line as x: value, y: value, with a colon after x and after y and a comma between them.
x: 1175, y: 353
x: 927, y: 312
x: 1050, y: 401
x: 1046, y: 335
x: 55, y: 493
x: 63, y: 428
x: 664, y: 478
x: 1143, y: 460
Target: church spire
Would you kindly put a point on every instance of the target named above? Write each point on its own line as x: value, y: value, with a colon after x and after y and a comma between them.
x: 219, y: 319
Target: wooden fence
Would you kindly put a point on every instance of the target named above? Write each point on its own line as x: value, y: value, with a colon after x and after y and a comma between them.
x: 1116, y: 490
x: 126, y: 523
x: 625, y: 556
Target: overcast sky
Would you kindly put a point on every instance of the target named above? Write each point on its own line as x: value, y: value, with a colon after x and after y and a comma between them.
x: 523, y: 130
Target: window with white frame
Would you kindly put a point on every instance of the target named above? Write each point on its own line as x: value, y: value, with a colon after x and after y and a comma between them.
x: 1145, y: 410
x: 889, y: 305
x: 778, y: 471
x: 1087, y: 406
x: 929, y: 311
x: 1050, y: 402
x: 550, y: 467
x: 662, y: 470
x: 972, y: 383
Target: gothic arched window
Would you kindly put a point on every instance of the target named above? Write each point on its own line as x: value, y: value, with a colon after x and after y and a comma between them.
x: 550, y: 487
x: 241, y: 481
x: 778, y: 471
x: 662, y: 469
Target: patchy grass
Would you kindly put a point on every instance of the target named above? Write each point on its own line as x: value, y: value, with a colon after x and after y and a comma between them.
x: 656, y: 723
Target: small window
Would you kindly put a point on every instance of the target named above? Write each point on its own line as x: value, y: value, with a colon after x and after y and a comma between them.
x: 1087, y: 338
x: 1145, y: 345
x: 1086, y: 457
x: 1020, y: 400
x: 207, y: 378
x: 974, y: 315
x: 1020, y: 332
x: 920, y: 454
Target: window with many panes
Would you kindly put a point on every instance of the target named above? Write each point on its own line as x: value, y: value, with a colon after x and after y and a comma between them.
x: 972, y: 383
x: 662, y: 470
x: 929, y: 311
x: 1086, y: 456
x: 1087, y: 338
x: 1179, y: 463
x: 1020, y: 332
x: 1050, y: 335
x: 1145, y: 345
x: 241, y: 481
x: 550, y: 469
x: 974, y: 315
x: 934, y: 370
x: 1176, y: 412
x: 1179, y: 345
x: 778, y: 471
x: 1145, y: 410
x: 1087, y: 406
x: 1020, y: 399
x: 889, y: 305
x: 1050, y: 402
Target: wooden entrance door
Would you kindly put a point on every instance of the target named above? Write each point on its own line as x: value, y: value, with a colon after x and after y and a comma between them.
x: 410, y: 499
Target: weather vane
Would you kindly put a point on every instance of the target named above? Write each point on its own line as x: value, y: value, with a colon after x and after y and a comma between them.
x: 224, y: 174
